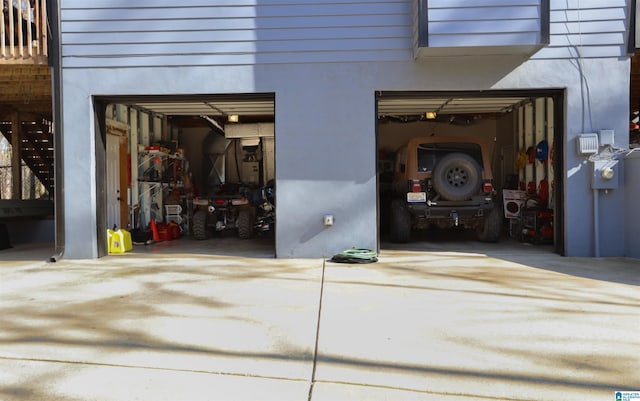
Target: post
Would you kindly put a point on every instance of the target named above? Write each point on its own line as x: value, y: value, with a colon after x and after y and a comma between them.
x: 16, y: 156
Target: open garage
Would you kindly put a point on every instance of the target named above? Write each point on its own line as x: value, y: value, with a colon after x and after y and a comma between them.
x: 516, y: 176
x: 198, y: 168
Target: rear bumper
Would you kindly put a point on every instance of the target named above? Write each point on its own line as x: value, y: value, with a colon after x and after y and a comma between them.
x: 447, y: 210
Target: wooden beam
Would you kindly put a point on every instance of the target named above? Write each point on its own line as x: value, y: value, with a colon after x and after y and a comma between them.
x: 36, y: 109
x: 16, y: 163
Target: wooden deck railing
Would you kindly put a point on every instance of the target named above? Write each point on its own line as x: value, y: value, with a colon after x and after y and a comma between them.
x: 24, y: 32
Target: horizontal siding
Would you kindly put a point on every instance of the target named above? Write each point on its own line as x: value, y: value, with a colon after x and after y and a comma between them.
x: 438, y: 4
x: 235, y: 35
x: 457, y: 23
x: 488, y: 39
x: 258, y: 24
x: 586, y: 28
x: 113, y: 33
x: 134, y: 33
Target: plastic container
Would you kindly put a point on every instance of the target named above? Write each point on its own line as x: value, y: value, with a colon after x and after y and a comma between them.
x: 164, y: 232
x: 119, y: 241
x: 175, y: 230
x: 173, y: 209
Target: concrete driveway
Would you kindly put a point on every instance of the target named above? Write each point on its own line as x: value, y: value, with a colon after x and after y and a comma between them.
x: 215, y: 322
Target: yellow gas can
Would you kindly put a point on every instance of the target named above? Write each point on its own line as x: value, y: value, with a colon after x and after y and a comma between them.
x: 119, y: 241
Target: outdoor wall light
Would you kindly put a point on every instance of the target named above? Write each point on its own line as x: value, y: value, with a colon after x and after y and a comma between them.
x: 232, y: 118
x: 430, y: 115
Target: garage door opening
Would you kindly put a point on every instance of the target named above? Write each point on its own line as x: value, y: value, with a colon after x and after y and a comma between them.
x: 188, y: 174
x: 470, y: 167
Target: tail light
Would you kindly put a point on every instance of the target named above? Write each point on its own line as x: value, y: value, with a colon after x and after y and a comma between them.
x: 416, y: 186
x: 219, y: 201
x: 487, y: 187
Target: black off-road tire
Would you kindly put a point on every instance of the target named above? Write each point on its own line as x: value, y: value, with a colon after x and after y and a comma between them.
x: 245, y: 223
x: 199, y: 225
x: 400, y: 222
x: 457, y: 177
x: 491, y: 228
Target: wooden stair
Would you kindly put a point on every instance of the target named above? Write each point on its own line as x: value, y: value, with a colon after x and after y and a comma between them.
x: 26, y: 107
x: 36, y: 149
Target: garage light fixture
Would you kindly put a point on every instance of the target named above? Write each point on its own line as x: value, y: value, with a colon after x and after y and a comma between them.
x: 232, y: 118
x: 430, y: 115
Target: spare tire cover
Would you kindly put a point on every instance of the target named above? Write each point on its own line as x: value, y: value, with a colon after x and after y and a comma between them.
x: 457, y: 177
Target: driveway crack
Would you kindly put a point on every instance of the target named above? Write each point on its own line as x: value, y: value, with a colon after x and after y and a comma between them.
x: 317, y: 340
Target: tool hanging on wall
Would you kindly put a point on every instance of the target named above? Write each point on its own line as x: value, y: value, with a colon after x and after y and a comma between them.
x: 521, y: 160
x: 531, y: 154
x: 542, y: 151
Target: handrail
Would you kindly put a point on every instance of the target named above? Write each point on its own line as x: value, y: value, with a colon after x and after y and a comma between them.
x: 23, y: 30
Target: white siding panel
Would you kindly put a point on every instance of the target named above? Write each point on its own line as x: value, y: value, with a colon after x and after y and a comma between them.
x: 237, y: 35
x: 471, y: 14
x: 456, y: 23
x: 586, y: 4
x: 182, y: 12
x: 134, y: 33
x: 106, y: 4
x: 181, y: 60
x: 478, y: 40
x: 586, y: 28
x: 455, y: 27
x: 375, y: 24
x: 234, y: 47
x: 598, y: 27
x: 598, y: 39
x: 588, y: 15
x: 572, y: 52
x: 480, y: 3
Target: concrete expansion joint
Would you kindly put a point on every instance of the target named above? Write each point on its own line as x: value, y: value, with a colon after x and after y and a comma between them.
x: 425, y: 392
x: 317, y: 339
x: 145, y: 367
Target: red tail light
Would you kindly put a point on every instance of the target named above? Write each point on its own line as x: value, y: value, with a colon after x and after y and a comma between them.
x: 219, y: 201
x: 487, y: 186
x: 416, y: 186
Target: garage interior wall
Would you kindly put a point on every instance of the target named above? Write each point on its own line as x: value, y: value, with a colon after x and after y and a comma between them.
x: 142, y: 129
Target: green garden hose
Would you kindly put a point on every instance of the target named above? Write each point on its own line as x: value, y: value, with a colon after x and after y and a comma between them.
x: 355, y: 255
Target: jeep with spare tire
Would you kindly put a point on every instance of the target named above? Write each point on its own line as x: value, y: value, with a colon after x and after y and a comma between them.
x: 444, y: 182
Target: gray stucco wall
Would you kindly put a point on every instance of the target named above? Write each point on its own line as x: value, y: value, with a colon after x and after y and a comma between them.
x: 326, y: 139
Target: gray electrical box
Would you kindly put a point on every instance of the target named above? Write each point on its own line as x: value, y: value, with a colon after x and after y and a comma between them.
x: 605, y: 174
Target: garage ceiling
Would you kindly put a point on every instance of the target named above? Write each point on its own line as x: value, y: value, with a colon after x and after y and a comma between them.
x: 211, y: 108
x: 449, y: 105
x: 186, y: 110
